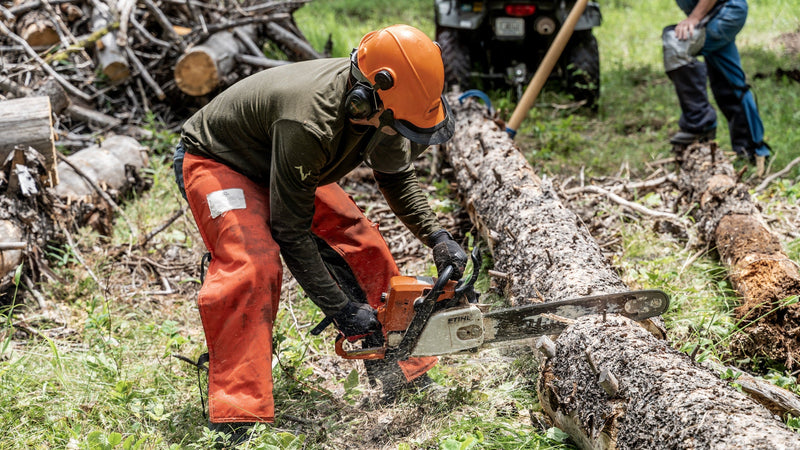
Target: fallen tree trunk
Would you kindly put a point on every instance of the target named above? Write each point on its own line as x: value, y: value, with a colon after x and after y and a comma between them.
x: 660, y: 398
x: 29, y: 122
x: 759, y: 269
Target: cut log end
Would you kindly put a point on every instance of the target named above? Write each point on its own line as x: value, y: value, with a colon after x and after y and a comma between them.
x: 117, y: 71
x: 38, y: 36
x: 27, y: 122
x: 196, y: 74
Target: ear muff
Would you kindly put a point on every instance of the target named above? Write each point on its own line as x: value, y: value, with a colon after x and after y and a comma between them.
x: 362, y: 101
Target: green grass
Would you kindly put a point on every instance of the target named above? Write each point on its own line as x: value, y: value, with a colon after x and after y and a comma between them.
x: 346, y: 21
x: 100, y: 373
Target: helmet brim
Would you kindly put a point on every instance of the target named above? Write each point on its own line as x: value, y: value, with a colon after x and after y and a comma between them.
x: 437, y: 134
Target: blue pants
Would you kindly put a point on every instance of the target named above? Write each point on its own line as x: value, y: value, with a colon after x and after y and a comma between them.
x: 727, y: 79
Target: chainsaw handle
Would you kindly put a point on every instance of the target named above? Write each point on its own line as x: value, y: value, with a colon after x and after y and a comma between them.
x: 364, y: 353
x: 476, y: 260
x: 441, y: 282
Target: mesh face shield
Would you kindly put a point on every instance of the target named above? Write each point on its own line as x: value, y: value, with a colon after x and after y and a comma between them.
x: 390, y: 159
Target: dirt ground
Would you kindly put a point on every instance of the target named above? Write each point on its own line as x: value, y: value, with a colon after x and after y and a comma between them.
x: 791, y: 42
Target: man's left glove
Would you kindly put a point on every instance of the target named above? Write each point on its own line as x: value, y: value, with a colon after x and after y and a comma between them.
x: 356, y: 320
x: 447, y: 252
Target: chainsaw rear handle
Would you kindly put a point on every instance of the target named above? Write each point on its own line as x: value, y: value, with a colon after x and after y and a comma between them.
x: 364, y: 353
x: 460, y: 289
x: 423, y: 308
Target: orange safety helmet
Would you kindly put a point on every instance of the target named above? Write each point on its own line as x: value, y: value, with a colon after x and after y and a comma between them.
x: 406, y: 66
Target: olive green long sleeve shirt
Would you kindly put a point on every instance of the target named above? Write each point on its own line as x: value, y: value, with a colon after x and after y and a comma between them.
x: 286, y: 129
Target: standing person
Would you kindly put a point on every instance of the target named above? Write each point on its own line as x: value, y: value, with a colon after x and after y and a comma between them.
x: 260, y: 164
x: 710, y: 30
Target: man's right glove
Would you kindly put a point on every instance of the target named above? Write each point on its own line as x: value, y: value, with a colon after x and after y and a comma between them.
x: 447, y: 252
x: 356, y: 320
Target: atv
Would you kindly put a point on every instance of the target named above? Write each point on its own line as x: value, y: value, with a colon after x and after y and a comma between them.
x: 497, y: 44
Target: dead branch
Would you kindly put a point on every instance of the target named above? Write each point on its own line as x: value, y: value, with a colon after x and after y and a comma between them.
x: 46, y: 67
x: 768, y: 180
x: 628, y: 204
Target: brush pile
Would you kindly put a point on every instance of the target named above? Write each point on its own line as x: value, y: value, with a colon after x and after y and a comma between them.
x: 107, y: 63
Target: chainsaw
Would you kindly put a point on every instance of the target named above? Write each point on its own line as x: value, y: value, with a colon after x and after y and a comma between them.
x: 423, y: 316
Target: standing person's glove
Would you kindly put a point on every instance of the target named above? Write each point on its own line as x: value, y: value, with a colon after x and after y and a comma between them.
x: 356, y: 320
x: 447, y: 252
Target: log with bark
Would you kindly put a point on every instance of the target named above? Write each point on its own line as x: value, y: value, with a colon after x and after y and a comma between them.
x: 37, y: 29
x: 111, y: 58
x: 95, y: 178
x: 609, y: 382
x: 759, y: 270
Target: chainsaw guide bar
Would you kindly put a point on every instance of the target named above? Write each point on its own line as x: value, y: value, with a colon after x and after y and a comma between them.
x: 552, y: 318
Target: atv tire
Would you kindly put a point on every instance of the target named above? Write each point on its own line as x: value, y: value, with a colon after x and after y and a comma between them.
x: 581, y: 64
x: 455, y: 55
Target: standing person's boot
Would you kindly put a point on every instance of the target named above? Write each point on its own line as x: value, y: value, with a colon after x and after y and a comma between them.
x: 698, y: 120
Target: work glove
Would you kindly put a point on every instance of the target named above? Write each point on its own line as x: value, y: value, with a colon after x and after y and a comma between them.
x: 447, y: 252
x: 356, y: 320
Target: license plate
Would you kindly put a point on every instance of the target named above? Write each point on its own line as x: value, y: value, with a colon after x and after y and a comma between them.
x: 509, y: 27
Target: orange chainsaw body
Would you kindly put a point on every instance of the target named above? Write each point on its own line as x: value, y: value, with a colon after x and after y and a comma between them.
x: 396, y: 312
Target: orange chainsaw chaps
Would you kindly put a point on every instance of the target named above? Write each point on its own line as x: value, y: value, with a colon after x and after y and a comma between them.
x: 239, y: 298
x: 238, y: 301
